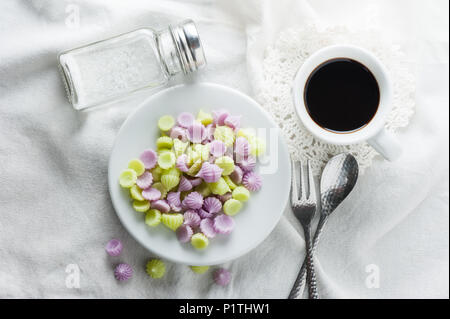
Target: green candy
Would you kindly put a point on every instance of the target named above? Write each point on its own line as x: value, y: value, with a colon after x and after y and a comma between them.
x: 231, y: 207
x: 153, y: 217
x: 164, y: 142
x: 136, y: 193
x: 199, y: 241
x: 230, y: 182
x: 155, y: 268
x: 199, y: 269
x: 204, y: 118
x: 127, y: 178
x: 166, y: 122
x: 141, y: 206
x: 159, y: 186
x: 220, y: 187
x: 172, y: 220
x: 166, y: 160
x: 137, y: 166
x: 226, y: 163
x: 169, y: 181
x: 241, y: 193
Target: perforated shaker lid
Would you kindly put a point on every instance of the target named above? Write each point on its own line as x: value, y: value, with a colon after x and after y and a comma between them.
x: 189, y: 46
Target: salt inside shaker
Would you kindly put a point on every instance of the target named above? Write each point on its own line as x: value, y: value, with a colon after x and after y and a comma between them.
x: 142, y: 59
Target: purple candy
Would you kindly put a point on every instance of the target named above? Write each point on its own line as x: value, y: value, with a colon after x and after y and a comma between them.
x: 196, y: 181
x: 123, y: 272
x: 184, y: 185
x: 173, y: 198
x: 151, y: 194
x: 217, y: 148
x: 161, y: 205
x: 223, y: 224
x: 145, y: 180
x: 149, y: 158
x: 252, y: 181
x: 236, y: 175
x: 193, y: 200
x: 233, y: 121
x: 184, y: 233
x: 191, y: 218
x: 219, y: 116
x: 223, y: 198
x: 196, y: 132
x: 209, y: 132
x: 207, y: 228
x: 212, y: 205
x: 210, y: 172
x: 204, y: 214
x: 114, y: 247
x: 241, y: 148
x: 182, y: 163
x: 222, y: 277
x: 185, y: 119
x: 178, y: 132
x: 247, y: 164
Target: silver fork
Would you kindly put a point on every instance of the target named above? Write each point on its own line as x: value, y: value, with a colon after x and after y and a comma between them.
x: 304, y: 207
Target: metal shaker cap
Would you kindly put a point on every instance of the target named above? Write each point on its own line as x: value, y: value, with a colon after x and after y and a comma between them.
x: 189, y: 46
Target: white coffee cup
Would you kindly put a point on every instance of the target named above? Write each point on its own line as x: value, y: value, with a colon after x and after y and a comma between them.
x: 373, y: 132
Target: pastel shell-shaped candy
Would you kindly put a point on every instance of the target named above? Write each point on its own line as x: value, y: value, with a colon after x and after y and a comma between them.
x: 193, y: 201
x: 179, y: 147
x: 223, y: 224
x: 217, y: 148
x: 145, y: 180
x: 204, y: 117
x: 161, y: 205
x: 199, y: 269
x: 209, y: 132
x: 196, y: 132
x: 191, y: 218
x: 233, y: 121
x: 173, y: 198
x: 236, y: 175
x: 155, y: 268
x: 123, y: 272
x: 169, y: 181
x: 178, y: 133
x: 224, y: 134
x: 222, y: 277
x: 149, y: 158
x: 219, y: 116
x: 161, y: 189
x: 231, y: 207
x: 172, y: 220
x: 210, y: 172
x: 114, y: 247
x: 223, y: 198
x: 195, y: 168
x: 136, y: 193
x: 164, y: 142
x: 196, y: 181
x: 220, y: 187
x: 226, y: 164
x: 204, y: 214
x: 241, y: 193
x: 212, y: 205
x: 181, y: 163
x: 247, y: 164
x: 184, y: 233
x: 199, y: 241
x: 207, y: 227
x: 203, y: 189
x: 252, y: 181
x: 153, y: 217
x: 151, y: 194
x: 127, y: 178
x: 137, y: 165
x: 185, y: 119
x: 184, y: 185
x: 241, y: 148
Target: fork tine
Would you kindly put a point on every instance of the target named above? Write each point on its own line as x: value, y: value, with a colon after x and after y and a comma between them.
x: 303, y: 181
x: 312, y: 184
x: 294, y: 187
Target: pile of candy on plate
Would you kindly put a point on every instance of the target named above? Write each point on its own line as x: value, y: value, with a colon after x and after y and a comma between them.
x: 202, y: 171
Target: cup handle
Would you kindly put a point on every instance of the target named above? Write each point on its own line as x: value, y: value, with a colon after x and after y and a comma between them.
x: 386, y: 144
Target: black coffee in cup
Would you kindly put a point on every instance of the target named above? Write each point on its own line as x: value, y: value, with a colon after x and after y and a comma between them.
x: 342, y: 95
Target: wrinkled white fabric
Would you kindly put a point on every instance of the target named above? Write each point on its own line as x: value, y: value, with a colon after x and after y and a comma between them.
x: 54, y: 205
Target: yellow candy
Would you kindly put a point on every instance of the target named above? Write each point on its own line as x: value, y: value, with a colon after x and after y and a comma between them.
x: 230, y: 182
x: 199, y: 269
x: 127, y: 178
x: 202, y: 151
x: 156, y: 172
x: 220, y: 187
x: 164, y: 142
x: 166, y: 160
x: 195, y: 168
x: 159, y: 186
x: 153, y: 217
x: 231, y: 207
x: 172, y: 220
x: 179, y: 147
x: 155, y: 268
x: 166, y: 122
x: 141, y: 206
x: 136, y: 193
x: 169, y: 181
x: 241, y: 193
x: 226, y: 163
x: 193, y: 156
x: 224, y: 134
x: 172, y: 171
x: 137, y: 166
x: 204, y: 118
x: 199, y: 241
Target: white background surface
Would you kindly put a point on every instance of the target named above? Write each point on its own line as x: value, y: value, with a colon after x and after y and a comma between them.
x: 54, y: 205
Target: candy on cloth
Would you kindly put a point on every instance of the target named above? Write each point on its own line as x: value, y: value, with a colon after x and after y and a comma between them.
x: 179, y: 147
x: 247, y: 164
x: 136, y: 194
x: 231, y: 207
x: 155, y: 268
x: 161, y: 205
x: 210, y: 172
x: 222, y: 277
x: 184, y: 185
x: 199, y: 269
x: 156, y: 173
x: 204, y: 213
x: 223, y: 224
x: 184, y: 233
x: 219, y: 116
x: 137, y: 166
x: 199, y: 241
x: 204, y: 118
x: 114, y: 247
x: 241, y: 147
x: 217, y: 148
x: 164, y: 142
x: 241, y: 193
x: 123, y: 272
x: 185, y: 119
x: 169, y: 181
x: 224, y: 134
x: 252, y: 181
x: 229, y: 182
x: 196, y: 181
x: 181, y: 163
x: 203, y: 189
x: 223, y: 198
x: 161, y: 189
x: 178, y: 133
x: 212, y: 205
x: 141, y: 206
x: 153, y: 217
x: 166, y: 122
x: 149, y: 158
x: 220, y: 187
x: 196, y: 132
x: 172, y: 220
x: 166, y: 160
x: 194, y: 200
x: 257, y: 146
x: 226, y: 164
x: 191, y: 218
x: 233, y: 121
x: 207, y: 227
x: 195, y: 168
x: 127, y: 178
x: 151, y: 194
x: 173, y: 198
x: 145, y: 180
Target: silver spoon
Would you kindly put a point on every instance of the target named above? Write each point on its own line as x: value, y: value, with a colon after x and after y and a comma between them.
x: 338, y: 179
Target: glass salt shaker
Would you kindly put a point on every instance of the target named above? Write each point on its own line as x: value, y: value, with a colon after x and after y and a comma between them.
x: 111, y: 69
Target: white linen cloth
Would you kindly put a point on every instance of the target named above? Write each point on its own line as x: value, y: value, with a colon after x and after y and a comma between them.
x: 54, y: 204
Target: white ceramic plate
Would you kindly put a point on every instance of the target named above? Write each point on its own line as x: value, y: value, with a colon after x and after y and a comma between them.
x: 259, y: 215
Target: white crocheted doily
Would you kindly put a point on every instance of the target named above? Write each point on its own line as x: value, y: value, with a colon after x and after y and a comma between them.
x: 283, y: 59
